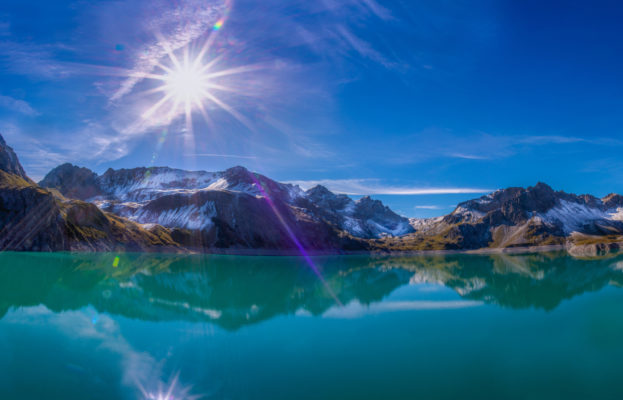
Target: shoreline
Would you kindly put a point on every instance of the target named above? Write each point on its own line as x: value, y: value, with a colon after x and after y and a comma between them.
x: 321, y: 253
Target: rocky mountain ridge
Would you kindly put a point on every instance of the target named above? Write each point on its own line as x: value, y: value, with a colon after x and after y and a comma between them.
x: 36, y: 219
x: 9, y: 162
x: 520, y: 217
x: 179, y: 199
x: 166, y: 209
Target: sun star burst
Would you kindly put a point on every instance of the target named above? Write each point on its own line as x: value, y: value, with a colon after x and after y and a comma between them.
x: 186, y: 85
x: 189, y: 84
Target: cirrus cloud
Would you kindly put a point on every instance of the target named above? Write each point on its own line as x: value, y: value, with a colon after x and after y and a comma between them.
x: 375, y: 186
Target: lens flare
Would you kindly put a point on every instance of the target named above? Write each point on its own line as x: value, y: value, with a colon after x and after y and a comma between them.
x: 219, y: 24
x: 186, y: 84
x: 173, y: 391
x: 190, y: 84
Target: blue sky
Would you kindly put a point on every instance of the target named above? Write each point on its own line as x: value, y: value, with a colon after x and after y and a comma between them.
x: 420, y: 103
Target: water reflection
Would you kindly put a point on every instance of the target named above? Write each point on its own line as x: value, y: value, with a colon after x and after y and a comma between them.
x: 87, y: 326
x: 235, y: 291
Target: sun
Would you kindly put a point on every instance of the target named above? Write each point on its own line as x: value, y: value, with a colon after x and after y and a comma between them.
x: 192, y: 83
x: 186, y: 84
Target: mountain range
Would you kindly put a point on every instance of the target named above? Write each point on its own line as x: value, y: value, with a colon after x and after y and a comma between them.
x: 172, y: 210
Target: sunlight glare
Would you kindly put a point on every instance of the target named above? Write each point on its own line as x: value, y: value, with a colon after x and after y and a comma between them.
x: 186, y: 84
x: 189, y: 82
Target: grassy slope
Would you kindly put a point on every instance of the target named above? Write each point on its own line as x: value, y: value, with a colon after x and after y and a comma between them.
x: 84, y: 226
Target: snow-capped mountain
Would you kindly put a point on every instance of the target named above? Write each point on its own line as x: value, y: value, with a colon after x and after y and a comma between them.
x: 559, y: 212
x: 203, y: 201
x: 35, y: 219
x: 516, y: 217
x: 236, y: 208
x: 362, y: 218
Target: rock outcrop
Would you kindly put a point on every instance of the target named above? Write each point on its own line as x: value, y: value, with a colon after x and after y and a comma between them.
x: 9, y: 162
x: 516, y: 217
x: 235, y: 208
x: 162, y: 208
x: 35, y: 219
x: 73, y: 182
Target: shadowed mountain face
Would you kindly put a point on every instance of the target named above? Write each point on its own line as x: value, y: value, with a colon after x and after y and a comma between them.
x: 9, y: 162
x: 167, y: 209
x: 522, y: 217
x: 35, y: 219
x: 240, y: 209
x: 209, y: 204
x: 232, y: 291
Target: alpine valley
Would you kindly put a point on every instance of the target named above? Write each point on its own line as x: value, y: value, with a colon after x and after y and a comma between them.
x: 171, y: 210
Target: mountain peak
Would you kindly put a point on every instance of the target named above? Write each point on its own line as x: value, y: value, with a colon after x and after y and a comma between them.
x: 237, y: 169
x: 9, y: 161
x: 239, y: 174
x: 541, y: 187
x: 319, y: 190
x: 613, y: 200
x: 73, y: 181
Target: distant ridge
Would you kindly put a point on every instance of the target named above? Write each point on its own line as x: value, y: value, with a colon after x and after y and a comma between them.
x: 166, y: 209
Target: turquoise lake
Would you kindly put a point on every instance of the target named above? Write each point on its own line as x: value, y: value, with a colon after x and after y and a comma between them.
x: 139, y: 326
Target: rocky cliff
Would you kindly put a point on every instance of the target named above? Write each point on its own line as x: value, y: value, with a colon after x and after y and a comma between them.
x: 33, y: 218
x: 235, y: 208
x: 519, y: 217
x: 162, y: 208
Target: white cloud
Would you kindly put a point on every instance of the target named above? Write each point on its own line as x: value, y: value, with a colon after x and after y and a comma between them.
x: 356, y: 309
x: 436, y: 143
x: 33, y: 60
x: 220, y: 156
x: 468, y: 156
x: 183, y: 24
x: 374, y: 186
x: 365, y: 49
x: 39, y: 155
x: 428, y: 207
x: 20, y: 106
x: 134, y: 365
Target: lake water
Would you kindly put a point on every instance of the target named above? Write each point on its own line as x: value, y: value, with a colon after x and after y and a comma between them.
x: 102, y: 326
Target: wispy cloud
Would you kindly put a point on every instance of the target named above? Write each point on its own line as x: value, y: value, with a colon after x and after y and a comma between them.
x: 436, y: 143
x: 486, y: 146
x: 221, y: 155
x: 431, y: 207
x: 550, y: 139
x: 39, y: 155
x: 182, y: 24
x: 375, y: 186
x: 20, y: 106
x: 468, y: 156
x: 363, y: 48
x: 35, y: 60
x: 356, y: 310
x: 306, y: 50
x: 88, y: 325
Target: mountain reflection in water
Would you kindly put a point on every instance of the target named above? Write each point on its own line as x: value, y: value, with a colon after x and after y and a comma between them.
x: 232, y: 292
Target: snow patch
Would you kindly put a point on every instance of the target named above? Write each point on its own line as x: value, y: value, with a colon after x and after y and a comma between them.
x: 353, y: 226
x: 189, y: 217
x: 399, y: 230
x: 468, y: 214
x: 615, y: 214
x: 572, y: 216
